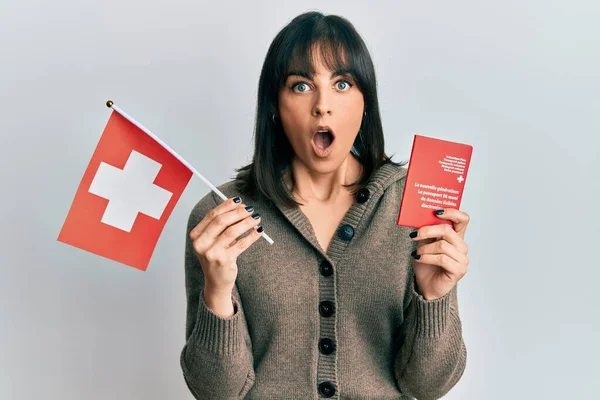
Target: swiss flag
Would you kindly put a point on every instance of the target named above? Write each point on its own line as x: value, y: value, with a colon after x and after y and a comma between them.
x: 126, y: 195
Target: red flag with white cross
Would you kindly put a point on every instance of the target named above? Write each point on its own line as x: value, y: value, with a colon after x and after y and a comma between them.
x: 126, y: 195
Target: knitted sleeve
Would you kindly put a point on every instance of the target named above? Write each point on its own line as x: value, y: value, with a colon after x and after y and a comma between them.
x: 432, y: 353
x: 216, y: 359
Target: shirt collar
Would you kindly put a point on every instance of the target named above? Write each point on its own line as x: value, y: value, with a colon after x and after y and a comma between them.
x: 383, y: 177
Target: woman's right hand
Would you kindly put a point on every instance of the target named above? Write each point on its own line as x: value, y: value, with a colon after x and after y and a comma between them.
x: 214, y: 242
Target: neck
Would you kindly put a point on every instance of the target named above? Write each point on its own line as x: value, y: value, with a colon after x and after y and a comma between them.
x: 315, y: 187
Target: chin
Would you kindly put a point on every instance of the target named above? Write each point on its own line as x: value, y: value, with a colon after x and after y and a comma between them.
x: 326, y: 165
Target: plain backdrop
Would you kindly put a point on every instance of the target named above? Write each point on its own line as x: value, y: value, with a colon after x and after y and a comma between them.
x: 518, y: 80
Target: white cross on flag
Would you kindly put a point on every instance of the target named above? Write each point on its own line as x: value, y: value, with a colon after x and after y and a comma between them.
x: 126, y: 195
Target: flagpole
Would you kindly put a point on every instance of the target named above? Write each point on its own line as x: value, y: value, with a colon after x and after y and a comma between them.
x: 111, y: 104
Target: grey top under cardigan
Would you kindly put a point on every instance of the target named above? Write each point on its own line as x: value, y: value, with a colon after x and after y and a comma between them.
x: 345, y: 324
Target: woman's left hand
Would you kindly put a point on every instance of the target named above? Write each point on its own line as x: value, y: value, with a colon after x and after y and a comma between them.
x: 442, y: 254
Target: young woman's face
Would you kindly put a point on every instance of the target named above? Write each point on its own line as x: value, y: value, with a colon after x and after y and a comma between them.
x: 330, y: 101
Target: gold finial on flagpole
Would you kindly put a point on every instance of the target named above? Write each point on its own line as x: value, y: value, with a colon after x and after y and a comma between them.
x: 109, y: 103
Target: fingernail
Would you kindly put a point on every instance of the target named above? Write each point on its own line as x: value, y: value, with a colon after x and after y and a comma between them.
x: 413, y: 234
x: 439, y: 212
x: 255, y: 215
x: 259, y: 229
x: 415, y: 255
x: 237, y: 200
x: 249, y: 208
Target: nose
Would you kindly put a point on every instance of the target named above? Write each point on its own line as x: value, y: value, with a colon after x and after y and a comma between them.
x: 322, y: 104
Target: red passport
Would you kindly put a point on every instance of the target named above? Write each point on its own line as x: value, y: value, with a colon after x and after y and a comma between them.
x: 436, y: 178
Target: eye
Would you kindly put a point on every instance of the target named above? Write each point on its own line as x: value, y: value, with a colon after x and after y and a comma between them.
x: 343, y: 85
x: 303, y: 85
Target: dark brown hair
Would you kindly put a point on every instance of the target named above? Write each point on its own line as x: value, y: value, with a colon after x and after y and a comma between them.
x: 340, y: 47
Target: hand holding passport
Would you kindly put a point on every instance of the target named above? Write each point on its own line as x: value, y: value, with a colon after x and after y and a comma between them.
x: 435, y: 180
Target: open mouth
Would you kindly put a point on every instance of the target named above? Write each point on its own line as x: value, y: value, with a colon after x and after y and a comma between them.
x: 323, y: 138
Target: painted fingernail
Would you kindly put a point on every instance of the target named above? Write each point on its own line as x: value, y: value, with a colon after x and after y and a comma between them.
x: 255, y: 215
x: 249, y: 208
x: 439, y: 212
x: 415, y: 255
x: 413, y: 234
x: 259, y: 229
x: 237, y: 200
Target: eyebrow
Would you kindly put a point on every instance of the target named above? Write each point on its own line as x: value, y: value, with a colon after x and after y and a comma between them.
x: 337, y: 72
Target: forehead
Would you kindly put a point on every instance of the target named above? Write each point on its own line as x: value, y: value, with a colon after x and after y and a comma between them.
x: 328, y: 59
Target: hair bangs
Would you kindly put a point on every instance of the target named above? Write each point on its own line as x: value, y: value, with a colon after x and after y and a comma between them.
x: 324, y: 42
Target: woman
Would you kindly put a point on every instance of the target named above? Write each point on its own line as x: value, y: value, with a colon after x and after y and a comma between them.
x: 338, y: 306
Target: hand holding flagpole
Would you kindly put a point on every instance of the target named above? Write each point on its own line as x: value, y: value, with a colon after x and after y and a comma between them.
x: 110, y: 104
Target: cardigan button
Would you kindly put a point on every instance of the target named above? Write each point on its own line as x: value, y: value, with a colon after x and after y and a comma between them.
x: 346, y: 232
x: 327, y: 389
x: 327, y: 346
x: 326, y: 268
x: 326, y: 308
x: 362, y: 195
